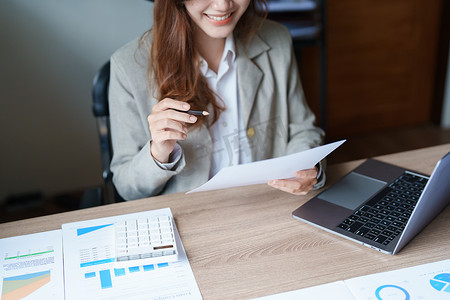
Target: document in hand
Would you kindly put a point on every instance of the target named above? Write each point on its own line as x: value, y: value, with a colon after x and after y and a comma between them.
x: 262, y: 171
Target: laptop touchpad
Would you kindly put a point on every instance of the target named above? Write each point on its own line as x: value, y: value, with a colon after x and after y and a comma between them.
x: 353, y: 190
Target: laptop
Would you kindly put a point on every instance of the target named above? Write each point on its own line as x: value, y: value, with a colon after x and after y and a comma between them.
x: 380, y: 205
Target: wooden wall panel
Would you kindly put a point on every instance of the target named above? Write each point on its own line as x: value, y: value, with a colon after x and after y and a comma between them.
x: 381, y: 64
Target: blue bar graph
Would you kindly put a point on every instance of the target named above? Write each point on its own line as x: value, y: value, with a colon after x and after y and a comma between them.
x: 119, y: 272
x: 106, y: 275
x: 105, y: 279
x: 89, y: 275
x: 133, y: 269
x: 148, y: 268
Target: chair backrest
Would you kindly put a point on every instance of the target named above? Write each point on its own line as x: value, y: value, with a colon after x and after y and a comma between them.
x: 100, y: 89
x: 100, y: 107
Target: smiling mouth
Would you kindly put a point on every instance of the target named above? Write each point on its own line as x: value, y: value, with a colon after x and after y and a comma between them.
x: 221, y: 18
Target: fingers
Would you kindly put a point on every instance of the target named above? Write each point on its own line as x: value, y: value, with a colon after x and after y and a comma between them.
x: 294, y: 186
x: 167, y: 109
x: 166, y: 129
x: 308, y: 173
x: 167, y: 125
x: 301, y: 185
x: 168, y: 103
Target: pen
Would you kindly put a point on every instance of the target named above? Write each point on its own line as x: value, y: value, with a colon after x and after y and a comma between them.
x: 193, y: 112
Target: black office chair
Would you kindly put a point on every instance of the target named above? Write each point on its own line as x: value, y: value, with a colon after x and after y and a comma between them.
x: 100, y: 109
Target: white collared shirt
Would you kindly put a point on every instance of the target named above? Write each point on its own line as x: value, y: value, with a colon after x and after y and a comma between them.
x: 230, y: 144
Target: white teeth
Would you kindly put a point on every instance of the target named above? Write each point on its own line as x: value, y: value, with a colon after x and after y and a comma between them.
x: 219, y: 18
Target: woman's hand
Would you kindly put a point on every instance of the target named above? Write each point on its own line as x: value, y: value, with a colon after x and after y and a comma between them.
x: 167, y: 126
x: 303, y: 182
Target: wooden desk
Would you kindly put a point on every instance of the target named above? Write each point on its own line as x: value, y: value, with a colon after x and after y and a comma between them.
x: 244, y: 243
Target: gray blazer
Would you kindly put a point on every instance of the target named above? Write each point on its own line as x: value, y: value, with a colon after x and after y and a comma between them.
x: 278, y: 120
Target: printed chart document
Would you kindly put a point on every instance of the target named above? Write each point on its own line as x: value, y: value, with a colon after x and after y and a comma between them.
x: 428, y: 281
x: 90, y: 271
x: 262, y: 171
x: 32, y: 266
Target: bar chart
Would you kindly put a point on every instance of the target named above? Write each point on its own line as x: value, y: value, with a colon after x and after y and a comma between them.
x: 106, y: 276
x: 92, y: 273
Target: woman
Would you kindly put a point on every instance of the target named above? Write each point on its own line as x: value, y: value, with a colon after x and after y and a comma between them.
x: 217, y: 56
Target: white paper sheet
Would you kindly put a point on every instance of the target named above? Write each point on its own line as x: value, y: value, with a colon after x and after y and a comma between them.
x: 427, y: 282
x: 32, y: 266
x: 262, y: 171
x: 90, y: 272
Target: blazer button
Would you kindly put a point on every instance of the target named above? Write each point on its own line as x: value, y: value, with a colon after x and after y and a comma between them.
x: 251, y: 132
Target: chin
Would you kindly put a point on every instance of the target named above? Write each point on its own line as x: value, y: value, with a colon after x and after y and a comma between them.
x: 220, y: 34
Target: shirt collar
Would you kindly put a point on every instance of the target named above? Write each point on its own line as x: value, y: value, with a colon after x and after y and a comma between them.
x: 228, y: 55
x: 229, y: 48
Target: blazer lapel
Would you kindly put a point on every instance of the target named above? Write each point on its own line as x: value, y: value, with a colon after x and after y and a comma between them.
x: 249, y: 74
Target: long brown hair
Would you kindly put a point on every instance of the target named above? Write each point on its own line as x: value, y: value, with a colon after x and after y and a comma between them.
x: 173, y: 67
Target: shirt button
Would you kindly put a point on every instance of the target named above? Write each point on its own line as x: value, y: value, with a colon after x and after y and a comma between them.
x: 251, y: 132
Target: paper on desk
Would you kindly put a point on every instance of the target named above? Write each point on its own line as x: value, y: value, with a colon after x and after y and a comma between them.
x: 90, y: 271
x: 32, y: 266
x: 264, y: 170
x: 427, y: 281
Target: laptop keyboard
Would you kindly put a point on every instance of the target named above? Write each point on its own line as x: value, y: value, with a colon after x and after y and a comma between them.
x: 385, y: 216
